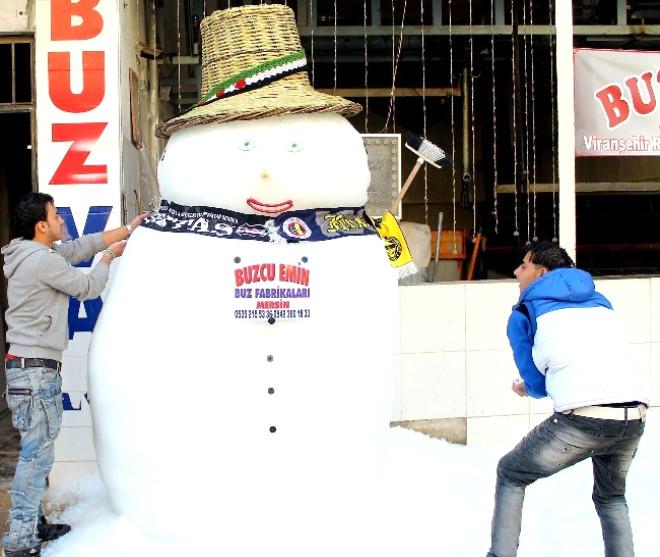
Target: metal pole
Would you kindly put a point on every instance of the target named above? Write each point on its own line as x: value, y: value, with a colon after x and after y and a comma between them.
x: 566, y: 125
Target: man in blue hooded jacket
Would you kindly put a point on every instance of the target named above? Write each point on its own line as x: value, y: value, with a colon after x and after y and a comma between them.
x: 568, y: 345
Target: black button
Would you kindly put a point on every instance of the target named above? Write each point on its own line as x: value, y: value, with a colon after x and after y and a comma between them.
x: 237, y: 259
x: 272, y: 429
x: 271, y: 390
x: 271, y: 320
x: 304, y: 259
x: 269, y: 358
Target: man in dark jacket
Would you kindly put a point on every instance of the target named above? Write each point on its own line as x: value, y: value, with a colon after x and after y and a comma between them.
x: 41, y: 280
x: 568, y: 345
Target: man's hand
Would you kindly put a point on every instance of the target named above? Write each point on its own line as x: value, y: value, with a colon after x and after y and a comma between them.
x: 118, y: 247
x: 137, y: 221
x: 112, y: 251
x: 111, y: 237
x: 518, y: 387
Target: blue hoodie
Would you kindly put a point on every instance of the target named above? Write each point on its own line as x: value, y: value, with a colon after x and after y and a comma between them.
x: 558, y: 289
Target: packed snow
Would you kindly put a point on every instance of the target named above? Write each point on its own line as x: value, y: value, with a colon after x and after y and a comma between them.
x: 448, y: 489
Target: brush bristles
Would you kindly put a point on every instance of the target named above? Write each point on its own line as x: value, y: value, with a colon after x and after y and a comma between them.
x: 413, y: 141
x: 430, y: 152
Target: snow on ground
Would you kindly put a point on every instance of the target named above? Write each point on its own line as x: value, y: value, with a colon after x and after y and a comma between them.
x: 441, y: 501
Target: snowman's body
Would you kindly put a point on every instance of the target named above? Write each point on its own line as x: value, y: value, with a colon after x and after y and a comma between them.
x: 205, y: 412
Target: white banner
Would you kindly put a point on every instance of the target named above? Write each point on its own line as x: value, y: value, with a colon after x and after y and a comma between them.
x: 78, y: 133
x: 615, y: 102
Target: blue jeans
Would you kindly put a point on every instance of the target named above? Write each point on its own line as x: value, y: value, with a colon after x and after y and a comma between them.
x: 557, y: 443
x: 34, y: 396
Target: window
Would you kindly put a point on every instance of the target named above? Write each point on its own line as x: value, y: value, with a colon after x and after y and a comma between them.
x: 16, y: 72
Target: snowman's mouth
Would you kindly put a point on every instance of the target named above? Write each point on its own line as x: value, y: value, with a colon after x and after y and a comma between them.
x: 270, y: 208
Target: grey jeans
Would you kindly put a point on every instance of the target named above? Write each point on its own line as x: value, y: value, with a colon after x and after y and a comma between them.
x: 34, y: 396
x: 557, y: 443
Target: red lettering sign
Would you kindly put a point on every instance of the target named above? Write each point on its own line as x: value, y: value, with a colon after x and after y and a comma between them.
x: 72, y: 169
x: 62, y: 14
x: 615, y: 107
x: 77, y: 21
x: 639, y: 105
x: 59, y: 81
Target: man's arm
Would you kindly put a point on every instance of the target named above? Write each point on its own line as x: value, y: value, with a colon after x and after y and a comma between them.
x: 519, y: 331
x: 58, y: 274
x: 75, y: 251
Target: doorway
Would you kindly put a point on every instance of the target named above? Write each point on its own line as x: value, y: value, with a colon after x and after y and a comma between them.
x: 17, y: 160
x: 15, y: 182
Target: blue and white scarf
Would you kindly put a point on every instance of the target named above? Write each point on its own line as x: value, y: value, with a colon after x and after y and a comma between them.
x: 308, y: 225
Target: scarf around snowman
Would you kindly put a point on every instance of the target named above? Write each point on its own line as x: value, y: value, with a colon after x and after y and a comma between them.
x: 307, y: 225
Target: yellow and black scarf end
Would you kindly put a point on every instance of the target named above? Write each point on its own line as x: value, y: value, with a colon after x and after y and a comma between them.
x: 395, y: 244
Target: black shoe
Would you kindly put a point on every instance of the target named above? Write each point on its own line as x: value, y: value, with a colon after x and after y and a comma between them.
x: 32, y: 552
x: 48, y: 532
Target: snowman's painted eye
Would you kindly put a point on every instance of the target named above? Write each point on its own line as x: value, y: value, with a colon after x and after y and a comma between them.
x: 247, y: 145
x: 294, y: 146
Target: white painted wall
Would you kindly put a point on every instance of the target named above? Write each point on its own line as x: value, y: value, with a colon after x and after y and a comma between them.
x: 454, y: 359
x: 16, y: 16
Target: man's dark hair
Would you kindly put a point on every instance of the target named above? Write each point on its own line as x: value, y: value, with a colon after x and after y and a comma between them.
x: 549, y: 255
x: 30, y: 210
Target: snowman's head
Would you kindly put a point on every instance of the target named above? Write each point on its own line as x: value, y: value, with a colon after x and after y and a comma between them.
x: 267, y: 166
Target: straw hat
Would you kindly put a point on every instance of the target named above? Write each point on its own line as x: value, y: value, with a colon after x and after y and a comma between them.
x: 254, y: 66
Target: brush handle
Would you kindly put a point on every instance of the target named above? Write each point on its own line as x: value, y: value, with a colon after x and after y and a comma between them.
x: 406, y: 185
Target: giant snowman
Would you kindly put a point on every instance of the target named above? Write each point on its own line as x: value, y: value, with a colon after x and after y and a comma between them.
x: 241, y: 372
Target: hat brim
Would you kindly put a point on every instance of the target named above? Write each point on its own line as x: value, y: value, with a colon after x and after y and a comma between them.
x: 284, y: 96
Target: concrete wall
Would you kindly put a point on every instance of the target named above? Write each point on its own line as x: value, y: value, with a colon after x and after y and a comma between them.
x: 16, y: 16
x: 455, y: 366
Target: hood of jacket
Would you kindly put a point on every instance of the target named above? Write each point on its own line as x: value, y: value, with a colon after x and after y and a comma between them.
x: 561, y: 285
x: 16, y: 252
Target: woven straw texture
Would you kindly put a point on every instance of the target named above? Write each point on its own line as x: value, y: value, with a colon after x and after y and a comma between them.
x: 236, y: 39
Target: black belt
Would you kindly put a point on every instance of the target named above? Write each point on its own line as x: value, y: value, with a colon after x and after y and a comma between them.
x: 32, y: 362
x: 631, y: 404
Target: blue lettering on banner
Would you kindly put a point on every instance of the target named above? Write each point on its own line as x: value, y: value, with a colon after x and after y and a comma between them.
x: 67, y: 405
x: 97, y: 219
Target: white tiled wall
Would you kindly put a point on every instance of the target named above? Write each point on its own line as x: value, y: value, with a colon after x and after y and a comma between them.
x: 423, y: 385
x: 423, y: 308
x: 489, y: 375
x: 486, y: 330
x: 455, y: 360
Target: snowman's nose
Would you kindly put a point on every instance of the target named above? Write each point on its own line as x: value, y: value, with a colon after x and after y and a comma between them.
x: 265, y: 174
